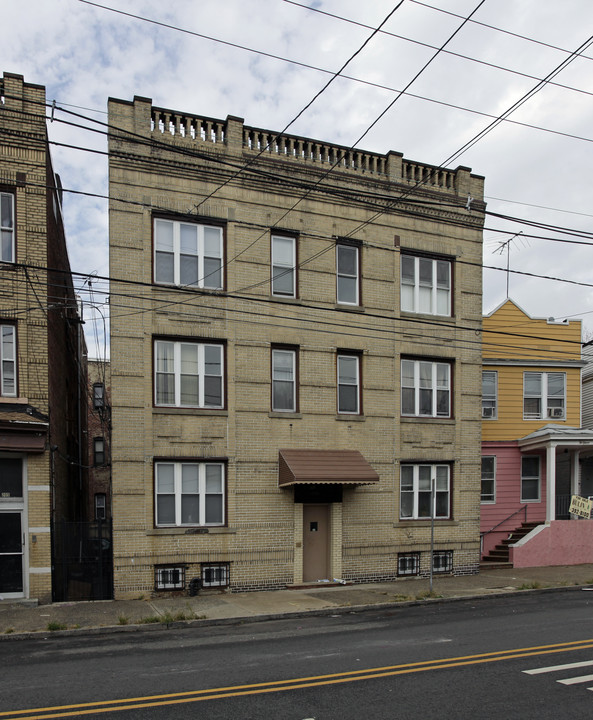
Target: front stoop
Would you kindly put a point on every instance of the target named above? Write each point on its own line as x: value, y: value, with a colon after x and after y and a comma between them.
x: 500, y: 553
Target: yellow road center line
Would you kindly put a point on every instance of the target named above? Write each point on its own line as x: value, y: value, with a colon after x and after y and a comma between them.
x: 292, y: 684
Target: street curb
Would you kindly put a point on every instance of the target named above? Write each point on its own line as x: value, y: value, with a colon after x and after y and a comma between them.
x: 292, y: 615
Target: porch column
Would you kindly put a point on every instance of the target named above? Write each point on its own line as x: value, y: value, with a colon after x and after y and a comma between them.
x: 574, y: 472
x: 551, y: 482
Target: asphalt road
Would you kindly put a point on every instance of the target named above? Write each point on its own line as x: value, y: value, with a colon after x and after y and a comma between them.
x: 468, y: 659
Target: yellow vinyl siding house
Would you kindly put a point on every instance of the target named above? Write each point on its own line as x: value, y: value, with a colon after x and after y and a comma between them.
x: 532, y: 440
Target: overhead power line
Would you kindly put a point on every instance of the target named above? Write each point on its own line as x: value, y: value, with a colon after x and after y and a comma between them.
x: 369, y: 199
x: 516, y: 105
x: 498, y: 29
x: 369, y: 83
x: 485, y: 131
x: 308, y: 104
x: 196, y: 295
x: 434, y: 47
x: 347, y: 326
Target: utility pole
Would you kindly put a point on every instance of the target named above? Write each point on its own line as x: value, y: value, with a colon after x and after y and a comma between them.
x: 433, y: 482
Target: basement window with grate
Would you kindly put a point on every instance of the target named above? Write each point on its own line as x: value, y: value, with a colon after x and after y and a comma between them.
x: 408, y: 563
x: 169, y: 577
x: 442, y: 561
x: 215, y: 575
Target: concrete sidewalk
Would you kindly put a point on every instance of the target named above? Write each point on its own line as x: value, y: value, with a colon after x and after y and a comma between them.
x: 18, y: 620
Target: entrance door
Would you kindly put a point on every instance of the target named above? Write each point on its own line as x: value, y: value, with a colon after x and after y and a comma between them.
x: 11, y: 553
x: 315, y: 542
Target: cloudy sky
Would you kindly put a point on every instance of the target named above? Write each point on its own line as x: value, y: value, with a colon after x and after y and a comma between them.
x: 264, y: 60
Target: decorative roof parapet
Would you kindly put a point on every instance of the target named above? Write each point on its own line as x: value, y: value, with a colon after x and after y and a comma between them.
x: 234, y: 137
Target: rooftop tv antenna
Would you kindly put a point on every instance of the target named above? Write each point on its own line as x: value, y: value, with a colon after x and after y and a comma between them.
x: 506, y: 245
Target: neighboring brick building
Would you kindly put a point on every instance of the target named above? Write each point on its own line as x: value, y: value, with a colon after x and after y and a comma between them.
x: 42, y: 352
x: 99, y: 440
x: 294, y: 356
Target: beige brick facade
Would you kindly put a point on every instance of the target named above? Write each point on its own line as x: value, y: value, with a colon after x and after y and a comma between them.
x: 186, y: 169
x: 38, y: 313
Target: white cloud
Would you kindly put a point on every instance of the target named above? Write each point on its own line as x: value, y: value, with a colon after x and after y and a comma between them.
x: 83, y: 55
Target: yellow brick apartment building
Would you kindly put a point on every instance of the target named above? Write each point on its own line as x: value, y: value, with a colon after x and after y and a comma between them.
x: 295, y: 358
x: 42, y: 356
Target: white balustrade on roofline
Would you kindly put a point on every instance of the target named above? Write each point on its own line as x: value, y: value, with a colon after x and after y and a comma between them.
x: 196, y: 129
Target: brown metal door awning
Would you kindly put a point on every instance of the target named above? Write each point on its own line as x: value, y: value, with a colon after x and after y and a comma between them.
x: 33, y: 442
x: 324, y: 467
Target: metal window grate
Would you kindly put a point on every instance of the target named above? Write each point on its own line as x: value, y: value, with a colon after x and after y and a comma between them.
x: 442, y: 561
x: 408, y: 563
x: 169, y: 578
x: 215, y: 575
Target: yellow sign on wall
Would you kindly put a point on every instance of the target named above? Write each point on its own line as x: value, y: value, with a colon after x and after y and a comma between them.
x: 580, y: 506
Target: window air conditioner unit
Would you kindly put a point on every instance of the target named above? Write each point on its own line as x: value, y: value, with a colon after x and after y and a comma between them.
x: 555, y: 412
x: 487, y: 412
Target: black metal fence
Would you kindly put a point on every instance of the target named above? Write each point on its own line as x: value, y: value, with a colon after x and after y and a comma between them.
x: 82, y: 561
x: 562, y: 506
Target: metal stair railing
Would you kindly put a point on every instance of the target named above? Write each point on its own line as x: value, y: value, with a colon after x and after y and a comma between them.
x: 492, y: 529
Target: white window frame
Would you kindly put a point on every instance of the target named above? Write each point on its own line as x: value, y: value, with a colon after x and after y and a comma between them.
x: 415, y: 292
x: 444, y: 564
x: 489, y: 400
x: 418, y: 487
x: 206, y: 278
x: 218, y: 574
x: 408, y: 564
x: 178, y: 493
x: 488, y: 476
x: 164, y: 577
x: 175, y: 371
x: 531, y: 478
x: 550, y: 406
x: 282, y: 269
x: 7, y: 227
x: 345, y: 382
x: 435, y: 387
x: 279, y: 377
x: 344, y: 295
x: 8, y: 388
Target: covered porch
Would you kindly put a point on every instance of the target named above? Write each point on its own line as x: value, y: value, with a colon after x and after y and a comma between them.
x: 564, y: 449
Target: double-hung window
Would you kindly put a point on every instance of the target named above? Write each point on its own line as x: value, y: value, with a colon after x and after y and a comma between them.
x: 99, y: 451
x: 488, y: 486
x: 348, y: 274
x: 283, y: 265
x: 349, y: 384
x: 100, y: 506
x: 425, y: 285
x: 544, y: 395
x: 489, y: 394
x: 98, y: 396
x: 426, y: 388
x: 284, y: 388
x: 189, y: 374
x: 7, y: 227
x: 188, y: 254
x: 189, y: 493
x: 530, y: 478
x: 416, y: 490
x: 8, y: 360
